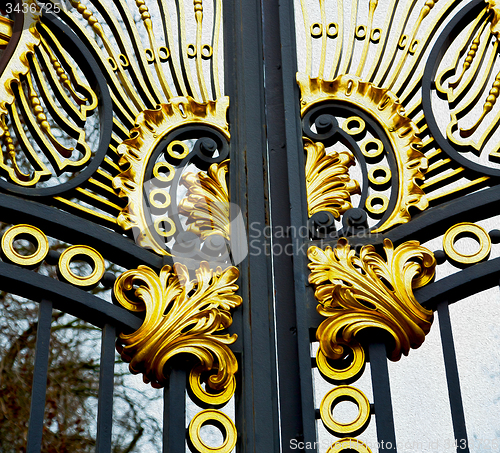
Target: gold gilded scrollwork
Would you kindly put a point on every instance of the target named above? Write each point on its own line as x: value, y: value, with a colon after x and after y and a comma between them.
x: 355, y: 293
x: 183, y: 315
x: 329, y: 187
x: 207, y: 201
x: 151, y: 127
x: 385, y: 108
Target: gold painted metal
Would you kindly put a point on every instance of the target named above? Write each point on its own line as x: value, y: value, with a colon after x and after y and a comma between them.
x: 152, y: 126
x: 335, y: 396
x: 379, y: 175
x: 377, y: 204
x: 32, y: 234
x: 384, y: 107
x: 328, y: 184
x: 355, y: 293
x: 349, y: 445
x: 351, y: 372
x: 207, y: 202
x: 6, y: 29
x: 215, y: 418
x: 84, y: 253
x: 183, y: 315
x: 470, y: 230
x: 202, y: 396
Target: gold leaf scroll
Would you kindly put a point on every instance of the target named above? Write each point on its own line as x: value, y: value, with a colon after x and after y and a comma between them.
x: 368, y: 291
x: 183, y: 315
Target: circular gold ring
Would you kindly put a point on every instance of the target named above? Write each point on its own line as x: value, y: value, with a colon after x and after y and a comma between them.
x: 162, y: 176
x: 375, y: 35
x: 402, y: 41
x: 353, y: 130
x: 87, y: 254
x: 165, y: 233
x: 158, y: 204
x: 166, y: 53
x: 337, y: 395
x: 33, y: 235
x: 112, y: 63
x: 414, y: 46
x: 335, y: 32
x: 177, y: 149
x: 123, y: 60
x: 348, y: 445
x: 191, y: 50
x: 150, y: 57
x: 215, y: 418
x: 371, y: 153
x: 316, y: 30
x: 379, y: 175
x: 209, y: 51
x: 335, y: 374
x: 361, y: 32
x: 382, y: 200
x: 470, y: 230
x: 216, y: 399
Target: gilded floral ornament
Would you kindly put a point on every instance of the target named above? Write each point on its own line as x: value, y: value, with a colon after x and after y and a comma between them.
x: 328, y: 184
x: 385, y: 108
x: 18, y: 64
x: 368, y: 291
x: 494, y: 8
x: 152, y: 126
x: 183, y: 315
x: 207, y: 202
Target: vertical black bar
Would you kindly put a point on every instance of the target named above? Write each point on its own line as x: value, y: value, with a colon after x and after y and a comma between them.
x: 452, y: 378
x: 174, y: 413
x: 106, y: 388
x: 382, y: 397
x: 305, y: 303
x: 256, y: 400
x: 287, y: 354
x: 39, y: 389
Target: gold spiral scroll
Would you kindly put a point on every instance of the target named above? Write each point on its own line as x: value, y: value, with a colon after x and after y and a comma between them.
x: 355, y: 293
x: 30, y: 233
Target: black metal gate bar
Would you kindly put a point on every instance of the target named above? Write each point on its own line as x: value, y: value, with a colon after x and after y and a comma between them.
x: 257, y: 405
x: 39, y: 389
x: 384, y: 417
x: 452, y: 378
x: 287, y: 355
x: 174, y: 413
x: 106, y: 387
x: 305, y: 303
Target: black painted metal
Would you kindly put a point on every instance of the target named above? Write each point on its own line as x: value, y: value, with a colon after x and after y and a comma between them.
x: 39, y: 389
x: 174, y: 413
x: 452, y: 378
x: 106, y: 388
x: 382, y: 396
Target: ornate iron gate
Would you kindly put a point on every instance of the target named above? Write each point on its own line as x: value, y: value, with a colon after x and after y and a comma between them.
x: 254, y: 180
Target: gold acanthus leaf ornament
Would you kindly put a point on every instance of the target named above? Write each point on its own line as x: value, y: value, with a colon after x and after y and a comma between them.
x: 207, y: 202
x: 384, y: 107
x: 494, y: 8
x: 183, y: 315
x: 328, y: 184
x: 368, y: 291
x: 152, y: 126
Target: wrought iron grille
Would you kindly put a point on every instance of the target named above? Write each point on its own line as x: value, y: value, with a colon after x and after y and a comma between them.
x: 270, y: 198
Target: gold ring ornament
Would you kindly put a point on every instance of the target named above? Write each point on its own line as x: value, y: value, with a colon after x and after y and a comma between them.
x: 31, y: 234
x: 349, y: 445
x: 469, y: 230
x: 337, y: 395
x: 90, y: 256
x: 214, y: 418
